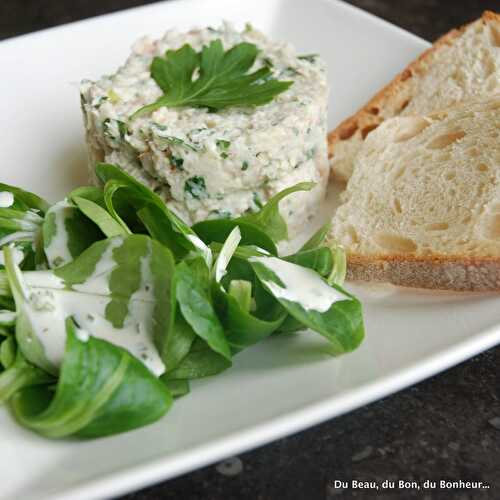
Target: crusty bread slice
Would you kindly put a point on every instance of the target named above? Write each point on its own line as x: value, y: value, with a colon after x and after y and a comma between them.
x: 461, y: 64
x: 422, y: 207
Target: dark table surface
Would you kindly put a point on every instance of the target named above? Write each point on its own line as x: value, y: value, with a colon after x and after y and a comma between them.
x: 447, y: 427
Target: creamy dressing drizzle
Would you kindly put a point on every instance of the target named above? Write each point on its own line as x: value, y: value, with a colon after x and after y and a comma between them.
x: 82, y: 335
x: 301, y: 285
x: 6, y: 199
x: 57, y: 251
x: 140, y: 319
x: 17, y: 236
x: 50, y: 303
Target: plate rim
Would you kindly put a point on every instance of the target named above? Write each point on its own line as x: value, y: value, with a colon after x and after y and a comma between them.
x: 133, y: 478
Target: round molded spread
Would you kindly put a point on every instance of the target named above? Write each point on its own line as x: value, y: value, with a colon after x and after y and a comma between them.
x: 215, y: 164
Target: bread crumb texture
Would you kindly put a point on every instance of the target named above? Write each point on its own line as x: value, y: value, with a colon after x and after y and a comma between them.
x: 425, y: 195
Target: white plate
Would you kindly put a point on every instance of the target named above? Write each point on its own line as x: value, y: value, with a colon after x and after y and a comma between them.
x: 282, y: 385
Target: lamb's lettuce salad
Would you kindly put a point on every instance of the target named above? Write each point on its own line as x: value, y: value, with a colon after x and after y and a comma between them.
x: 110, y: 304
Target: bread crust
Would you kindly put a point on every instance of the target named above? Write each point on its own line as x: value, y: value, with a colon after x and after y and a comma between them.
x: 395, y: 92
x: 440, y: 272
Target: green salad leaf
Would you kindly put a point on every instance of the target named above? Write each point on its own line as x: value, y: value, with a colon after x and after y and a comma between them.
x: 327, y: 309
x: 8, y: 352
x: 100, y: 216
x: 318, y: 238
x: 218, y: 230
x: 124, y: 284
x: 20, y: 374
x: 67, y: 232
x: 163, y: 225
x: 101, y: 390
x: 192, y: 285
x: 110, y: 304
x: 232, y: 287
x: 177, y: 387
x: 213, y: 78
x: 202, y: 361
x: 269, y: 216
x: 24, y: 200
x: 21, y: 223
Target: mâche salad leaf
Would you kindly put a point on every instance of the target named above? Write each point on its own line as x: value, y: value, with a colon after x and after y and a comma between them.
x: 101, y: 390
x: 21, y: 219
x: 67, y: 232
x: 192, y: 286
x: 112, y: 305
x: 162, y: 224
x: 118, y: 289
x: 234, y: 300
x: 20, y: 374
x: 326, y: 309
x: 269, y: 216
x: 100, y: 216
x: 213, y: 78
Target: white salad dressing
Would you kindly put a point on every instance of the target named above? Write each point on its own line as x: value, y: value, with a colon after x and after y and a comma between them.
x: 301, y: 285
x: 57, y: 251
x: 98, y: 282
x: 27, y: 223
x: 82, y: 335
x: 17, y: 236
x: 50, y: 303
x: 6, y: 199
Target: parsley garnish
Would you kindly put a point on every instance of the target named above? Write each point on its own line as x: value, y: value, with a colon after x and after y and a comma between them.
x: 212, y: 78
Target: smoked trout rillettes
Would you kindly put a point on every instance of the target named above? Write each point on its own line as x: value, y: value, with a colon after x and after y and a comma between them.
x: 222, y: 163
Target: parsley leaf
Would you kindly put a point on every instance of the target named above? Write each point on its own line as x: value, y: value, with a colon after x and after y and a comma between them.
x: 212, y: 78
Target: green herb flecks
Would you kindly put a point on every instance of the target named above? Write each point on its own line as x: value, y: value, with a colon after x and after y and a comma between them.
x: 311, y: 58
x: 161, y: 136
x: 115, y: 129
x: 223, y: 147
x: 196, y: 188
x: 177, y: 162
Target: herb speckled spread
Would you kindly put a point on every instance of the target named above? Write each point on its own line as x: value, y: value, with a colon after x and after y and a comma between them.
x: 212, y: 165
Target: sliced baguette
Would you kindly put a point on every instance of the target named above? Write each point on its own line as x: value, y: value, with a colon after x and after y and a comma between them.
x: 463, y: 63
x: 422, y: 207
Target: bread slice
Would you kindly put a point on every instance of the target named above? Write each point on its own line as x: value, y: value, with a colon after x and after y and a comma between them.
x: 422, y: 207
x: 461, y: 64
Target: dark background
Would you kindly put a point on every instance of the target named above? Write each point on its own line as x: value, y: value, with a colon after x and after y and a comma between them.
x: 446, y: 427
